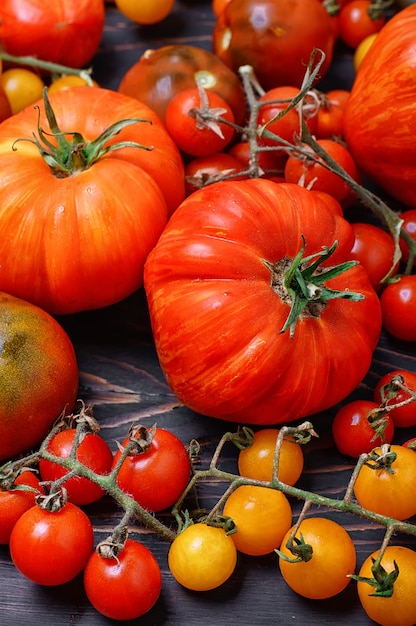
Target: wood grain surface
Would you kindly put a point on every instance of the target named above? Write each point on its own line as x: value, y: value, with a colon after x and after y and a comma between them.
x: 121, y: 378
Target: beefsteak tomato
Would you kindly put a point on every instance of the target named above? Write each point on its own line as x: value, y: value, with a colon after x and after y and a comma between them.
x: 38, y: 374
x: 380, y: 116
x: 84, y: 226
x: 220, y: 290
x: 63, y: 31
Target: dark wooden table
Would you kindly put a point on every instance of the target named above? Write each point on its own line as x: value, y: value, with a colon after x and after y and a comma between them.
x: 120, y: 377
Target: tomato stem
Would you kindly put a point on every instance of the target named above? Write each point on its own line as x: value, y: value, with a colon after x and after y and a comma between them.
x: 53, y: 68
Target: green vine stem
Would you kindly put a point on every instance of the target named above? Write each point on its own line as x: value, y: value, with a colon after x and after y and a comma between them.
x: 53, y: 68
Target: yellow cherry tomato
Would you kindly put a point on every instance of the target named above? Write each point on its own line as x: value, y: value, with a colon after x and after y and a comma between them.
x: 145, y: 11
x: 22, y: 87
x: 362, y: 49
x: 67, y: 82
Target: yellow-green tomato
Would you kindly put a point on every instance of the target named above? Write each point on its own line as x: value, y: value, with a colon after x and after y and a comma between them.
x: 262, y: 517
x: 333, y: 559
x: 202, y: 557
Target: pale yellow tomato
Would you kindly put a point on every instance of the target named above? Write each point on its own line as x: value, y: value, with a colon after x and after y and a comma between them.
x: 68, y: 81
x: 22, y: 87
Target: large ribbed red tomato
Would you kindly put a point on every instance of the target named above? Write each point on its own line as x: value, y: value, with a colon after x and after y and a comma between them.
x: 76, y: 224
x: 380, y: 116
x: 63, y: 31
x: 220, y: 289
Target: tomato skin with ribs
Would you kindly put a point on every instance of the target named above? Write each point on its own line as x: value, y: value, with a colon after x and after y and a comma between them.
x: 83, y: 238
x: 380, y: 116
x: 216, y: 318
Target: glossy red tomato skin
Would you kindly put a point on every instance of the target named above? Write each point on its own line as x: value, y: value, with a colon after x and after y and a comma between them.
x: 52, y: 548
x: 124, y: 588
x: 330, y: 116
x: 192, y: 138
x: 78, y: 215
x: 65, y: 31
x: 14, y: 502
x: 352, y: 432
x: 162, y: 73
x: 157, y: 477
x: 409, y: 225
x: 222, y: 234
x: 92, y: 451
x: 355, y: 24
x: 374, y: 249
x: 379, y: 124
x: 398, y: 304
x: 38, y: 373
x: 275, y: 37
x: 405, y: 415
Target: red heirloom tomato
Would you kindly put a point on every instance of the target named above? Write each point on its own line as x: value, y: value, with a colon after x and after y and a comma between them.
x: 124, y: 586
x: 83, y: 220
x: 399, y: 609
x: 191, y: 134
x: 157, y: 473
x: 92, y: 451
x: 352, y: 431
x: 51, y: 548
x: 215, y: 285
x: 374, y: 249
x: 398, y: 305
x: 63, y: 31
x: 38, y: 374
x: 162, y: 73
x: 333, y: 559
x: 388, y: 393
x: 380, y: 118
x: 275, y: 37
x: 14, y: 502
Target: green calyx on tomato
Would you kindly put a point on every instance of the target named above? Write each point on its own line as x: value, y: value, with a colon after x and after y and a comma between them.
x: 69, y: 157
x: 382, y: 581
x: 303, y: 283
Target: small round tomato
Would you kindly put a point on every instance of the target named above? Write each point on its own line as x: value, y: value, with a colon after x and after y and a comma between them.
x: 400, y: 608
x: 205, y: 170
x: 332, y: 559
x: 398, y: 305
x: 307, y: 170
x: 69, y: 81
x: 145, y: 11
x: 202, y: 557
x: 125, y: 585
x: 270, y: 162
x: 14, y: 502
x: 388, y: 393
x: 362, y: 49
x: 330, y: 115
x: 355, y: 22
x: 257, y: 461
x: 288, y: 125
x: 409, y: 226
x: 387, y: 488
x: 22, y: 87
x: 92, y: 451
x: 191, y: 134
x: 155, y: 474
x: 51, y: 548
x: 353, y: 432
x: 262, y: 517
x: 374, y: 249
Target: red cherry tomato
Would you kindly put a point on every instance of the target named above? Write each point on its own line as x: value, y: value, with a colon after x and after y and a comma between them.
x: 398, y: 305
x: 158, y: 475
x: 409, y: 226
x: 388, y: 393
x: 125, y: 586
x: 352, y: 431
x: 14, y: 502
x: 51, y: 548
x: 374, y: 249
x: 355, y: 23
x: 330, y: 115
x: 191, y: 135
x: 202, y: 171
x: 93, y: 452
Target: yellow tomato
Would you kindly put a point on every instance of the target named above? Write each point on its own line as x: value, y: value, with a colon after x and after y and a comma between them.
x: 362, y: 49
x: 67, y: 82
x: 22, y: 87
x: 145, y: 11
